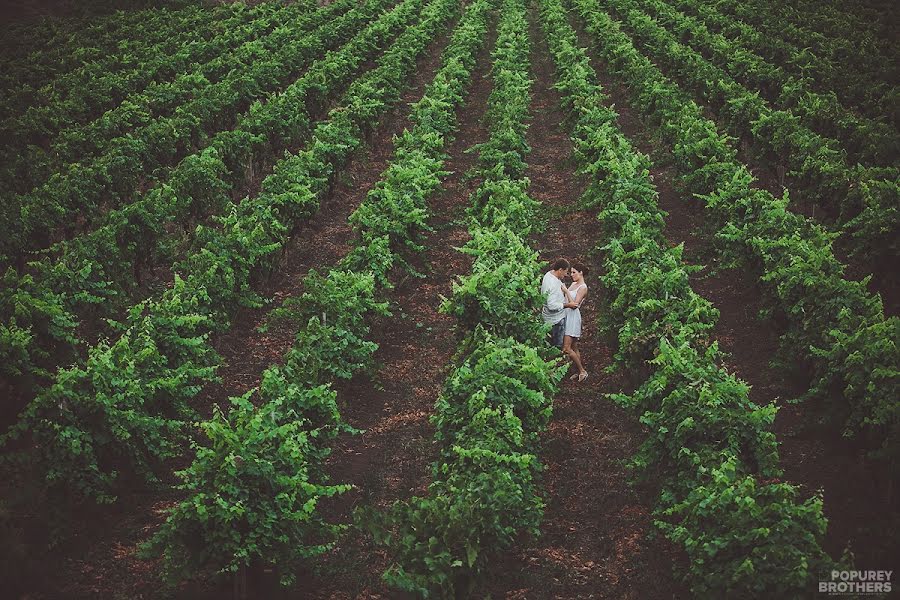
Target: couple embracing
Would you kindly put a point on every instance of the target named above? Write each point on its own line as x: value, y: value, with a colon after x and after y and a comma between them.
x: 562, y: 309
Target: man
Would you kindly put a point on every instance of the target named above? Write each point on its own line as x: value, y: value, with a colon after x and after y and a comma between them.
x: 554, y: 312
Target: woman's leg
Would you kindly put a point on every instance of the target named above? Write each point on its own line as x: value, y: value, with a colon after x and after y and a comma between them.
x: 570, y: 347
x: 575, y: 354
x: 567, y: 348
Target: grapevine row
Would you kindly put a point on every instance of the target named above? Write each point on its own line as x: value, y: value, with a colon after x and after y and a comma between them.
x: 865, y: 140
x: 497, y: 399
x: 102, y: 268
x: 746, y: 534
x: 867, y: 17
x: 71, y: 43
x: 296, y: 408
x: 846, y: 82
x: 394, y: 214
x: 71, y: 140
x: 125, y: 405
x: 850, y: 32
x: 97, y: 84
x: 865, y: 69
x: 835, y: 327
x: 112, y: 178
x: 865, y: 198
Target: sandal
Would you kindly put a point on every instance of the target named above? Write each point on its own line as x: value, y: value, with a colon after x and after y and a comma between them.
x: 582, y: 376
x: 573, y: 377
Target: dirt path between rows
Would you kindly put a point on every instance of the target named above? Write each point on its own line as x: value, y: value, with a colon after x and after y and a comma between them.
x: 392, y: 459
x: 102, y: 558
x: 597, y: 533
x: 855, y: 502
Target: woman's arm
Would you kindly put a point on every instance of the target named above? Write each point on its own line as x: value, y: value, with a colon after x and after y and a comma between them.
x: 580, y: 295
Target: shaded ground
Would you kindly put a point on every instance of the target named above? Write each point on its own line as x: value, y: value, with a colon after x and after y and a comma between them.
x: 856, y: 504
x: 21, y: 12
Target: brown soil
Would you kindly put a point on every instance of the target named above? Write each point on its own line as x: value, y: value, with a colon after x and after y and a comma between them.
x: 598, y: 540
x: 856, y: 503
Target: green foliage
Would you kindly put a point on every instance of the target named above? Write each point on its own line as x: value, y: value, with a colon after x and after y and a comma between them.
x: 745, y: 536
x: 445, y: 542
x: 802, y: 279
x: 34, y: 316
x: 121, y: 410
x: 870, y: 379
x: 504, y: 202
x: 697, y: 413
x: 748, y: 538
x: 489, y: 415
x: 97, y: 270
x: 498, y: 399
x: 15, y: 343
x: 874, y: 229
x: 807, y: 133
x: 374, y: 255
x: 395, y: 208
x: 254, y: 489
x: 114, y: 158
x: 331, y: 342
x: 652, y: 297
x: 394, y: 214
x: 500, y: 375
x: 500, y: 293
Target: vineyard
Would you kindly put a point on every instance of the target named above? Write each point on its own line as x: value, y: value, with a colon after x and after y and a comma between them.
x: 270, y: 307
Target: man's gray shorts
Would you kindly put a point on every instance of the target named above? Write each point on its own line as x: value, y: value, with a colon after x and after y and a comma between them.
x: 557, y: 333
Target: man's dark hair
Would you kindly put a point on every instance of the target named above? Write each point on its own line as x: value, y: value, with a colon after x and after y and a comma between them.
x: 580, y: 267
x: 560, y: 263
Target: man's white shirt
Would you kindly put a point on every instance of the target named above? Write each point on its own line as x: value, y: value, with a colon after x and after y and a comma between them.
x: 553, y: 310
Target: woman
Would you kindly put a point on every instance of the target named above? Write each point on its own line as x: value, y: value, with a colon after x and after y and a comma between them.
x: 575, y: 295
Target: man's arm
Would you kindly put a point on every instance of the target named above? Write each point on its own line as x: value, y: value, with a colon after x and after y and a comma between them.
x: 555, y: 300
x: 550, y: 290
